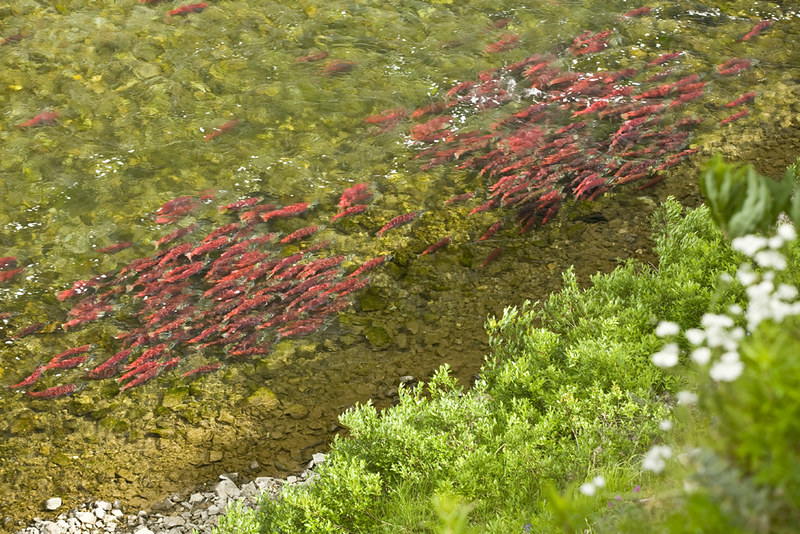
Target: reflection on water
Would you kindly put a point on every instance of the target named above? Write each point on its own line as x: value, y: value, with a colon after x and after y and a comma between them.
x: 269, y: 101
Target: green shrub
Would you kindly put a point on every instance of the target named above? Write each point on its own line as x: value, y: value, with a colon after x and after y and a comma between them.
x: 555, y: 405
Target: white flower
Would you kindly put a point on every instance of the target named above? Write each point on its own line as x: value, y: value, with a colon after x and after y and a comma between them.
x: 746, y: 275
x: 588, y: 489
x: 749, y: 244
x: 665, y: 425
x: 599, y: 481
x: 654, y: 459
x: 686, y: 397
x: 786, y: 231
x: 770, y: 258
x: 776, y: 242
x: 786, y: 292
x: 667, y: 328
x: 695, y: 336
x: 701, y: 355
x: 725, y: 277
x: 726, y: 371
x: 735, y: 309
x: 666, y: 357
x: 719, y: 321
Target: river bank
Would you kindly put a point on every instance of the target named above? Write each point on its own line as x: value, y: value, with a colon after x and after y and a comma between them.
x: 197, y: 510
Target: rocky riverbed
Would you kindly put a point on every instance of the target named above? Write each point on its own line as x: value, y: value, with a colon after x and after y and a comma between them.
x: 197, y: 510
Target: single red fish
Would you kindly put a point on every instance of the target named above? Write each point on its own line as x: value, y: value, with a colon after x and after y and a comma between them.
x: 9, y: 274
x: 147, y: 355
x: 188, y: 8
x: 504, y: 44
x: 115, y: 247
x: 142, y: 378
x: 182, y: 272
x: 400, y: 219
x: 432, y: 130
x: 202, y: 369
x: 302, y: 233
x: 387, y: 118
x: 74, y: 351
x: 12, y: 38
x: 686, y: 97
x: 757, y: 29
x: 108, y: 367
x: 491, y: 231
x: 338, y: 66
x: 240, y: 204
x: 735, y: 116
x: 176, y: 234
x: 350, y: 210
x: 733, y: 66
x: 370, y: 264
x: 45, y: 117
x: 352, y: 195
x: 287, y: 211
x: 428, y: 109
x: 214, y: 244
x: 312, y: 57
x: 493, y: 255
x: 33, y: 377
x: 747, y: 97
x: 638, y: 12
x: 216, y: 132
x: 28, y: 330
x: 460, y: 198
x: 136, y: 371
x: 53, y: 392
x: 664, y: 58
x: 436, y: 246
x: 69, y: 363
x: 174, y: 253
x: 205, y: 333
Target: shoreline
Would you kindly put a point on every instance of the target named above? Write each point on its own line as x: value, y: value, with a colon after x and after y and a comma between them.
x: 180, y: 513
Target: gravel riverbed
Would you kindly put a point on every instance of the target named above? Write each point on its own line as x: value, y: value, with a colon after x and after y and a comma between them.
x: 198, y: 510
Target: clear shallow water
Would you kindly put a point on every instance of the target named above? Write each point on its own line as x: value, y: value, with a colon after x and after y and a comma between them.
x: 137, y: 91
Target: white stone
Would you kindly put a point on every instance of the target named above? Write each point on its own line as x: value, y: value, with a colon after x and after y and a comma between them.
x: 226, y: 489
x: 117, y: 513
x: 249, y: 489
x: 48, y: 527
x: 143, y: 530
x: 196, y: 498
x: 87, y: 518
x: 103, y: 505
x: 63, y: 524
x: 53, y: 504
x: 291, y: 479
x: 318, y: 458
x: 174, y: 521
x: 213, y: 509
x: 100, y: 513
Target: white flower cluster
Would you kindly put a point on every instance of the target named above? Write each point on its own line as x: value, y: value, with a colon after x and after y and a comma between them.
x: 590, y: 488
x: 719, y: 334
x: 717, y: 342
x: 656, y: 458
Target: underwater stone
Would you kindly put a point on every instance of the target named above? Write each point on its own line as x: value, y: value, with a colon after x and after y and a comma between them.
x: 296, y: 411
x: 52, y: 504
x: 174, y: 397
x: 378, y: 337
x: 263, y: 397
x: 371, y: 301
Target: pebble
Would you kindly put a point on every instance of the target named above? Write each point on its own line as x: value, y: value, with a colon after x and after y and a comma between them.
x: 52, y: 504
x: 195, y: 511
